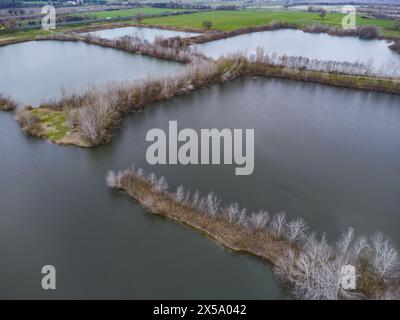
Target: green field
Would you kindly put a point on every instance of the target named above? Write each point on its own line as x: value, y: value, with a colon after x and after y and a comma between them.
x: 130, y: 12
x: 223, y: 20
x: 230, y: 20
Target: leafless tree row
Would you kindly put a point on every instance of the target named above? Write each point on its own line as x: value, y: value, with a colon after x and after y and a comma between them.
x: 168, y: 49
x: 363, y: 32
x: 310, y: 267
x: 328, y: 66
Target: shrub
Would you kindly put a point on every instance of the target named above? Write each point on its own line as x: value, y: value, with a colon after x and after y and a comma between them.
x: 207, y: 25
x: 368, y: 32
x: 28, y: 121
x: 6, y: 104
x: 322, y: 13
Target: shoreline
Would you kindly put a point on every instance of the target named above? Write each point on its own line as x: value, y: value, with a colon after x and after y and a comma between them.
x: 219, y: 230
x: 296, y: 255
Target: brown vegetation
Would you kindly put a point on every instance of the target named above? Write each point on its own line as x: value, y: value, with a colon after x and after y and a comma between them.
x: 135, y: 45
x: 29, y: 122
x: 309, y: 266
x: 7, y: 104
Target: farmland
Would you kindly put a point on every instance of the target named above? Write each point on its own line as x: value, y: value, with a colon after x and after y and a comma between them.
x: 231, y: 20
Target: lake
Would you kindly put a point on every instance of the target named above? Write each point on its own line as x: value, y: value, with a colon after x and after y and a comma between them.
x: 329, y: 155
x: 148, y: 34
x: 312, y: 45
x: 35, y: 71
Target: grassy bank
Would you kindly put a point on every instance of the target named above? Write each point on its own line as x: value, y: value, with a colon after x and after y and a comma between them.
x: 52, y: 125
x: 309, y: 266
x: 232, y: 20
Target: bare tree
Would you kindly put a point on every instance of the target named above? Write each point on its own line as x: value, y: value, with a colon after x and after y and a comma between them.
x: 231, y: 212
x: 161, y: 185
x: 152, y: 178
x: 212, y: 204
x: 111, y: 179
x: 277, y: 225
x: 180, y: 193
x: 97, y: 116
x: 384, y: 260
x: 296, y: 229
x: 241, y: 218
x: 259, y: 220
x: 196, y: 199
x: 140, y: 172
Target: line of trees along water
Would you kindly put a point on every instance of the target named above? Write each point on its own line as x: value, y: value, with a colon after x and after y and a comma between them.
x: 307, y: 264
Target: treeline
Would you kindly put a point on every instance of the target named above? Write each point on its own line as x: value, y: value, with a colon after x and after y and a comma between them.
x: 327, y: 66
x: 363, y: 32
x: 180, y: 5
x: 173, y: 51
x: 304, y: 262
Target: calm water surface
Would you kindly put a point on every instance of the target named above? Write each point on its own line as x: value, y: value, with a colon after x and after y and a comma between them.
x: 34, y: 71
x: 148, y: 34
x: 327, y: 154
x: 317, y: 46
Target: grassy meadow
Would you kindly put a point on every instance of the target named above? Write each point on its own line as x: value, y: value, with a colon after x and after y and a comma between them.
x: 231, y: 20
x: 130, y: 12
